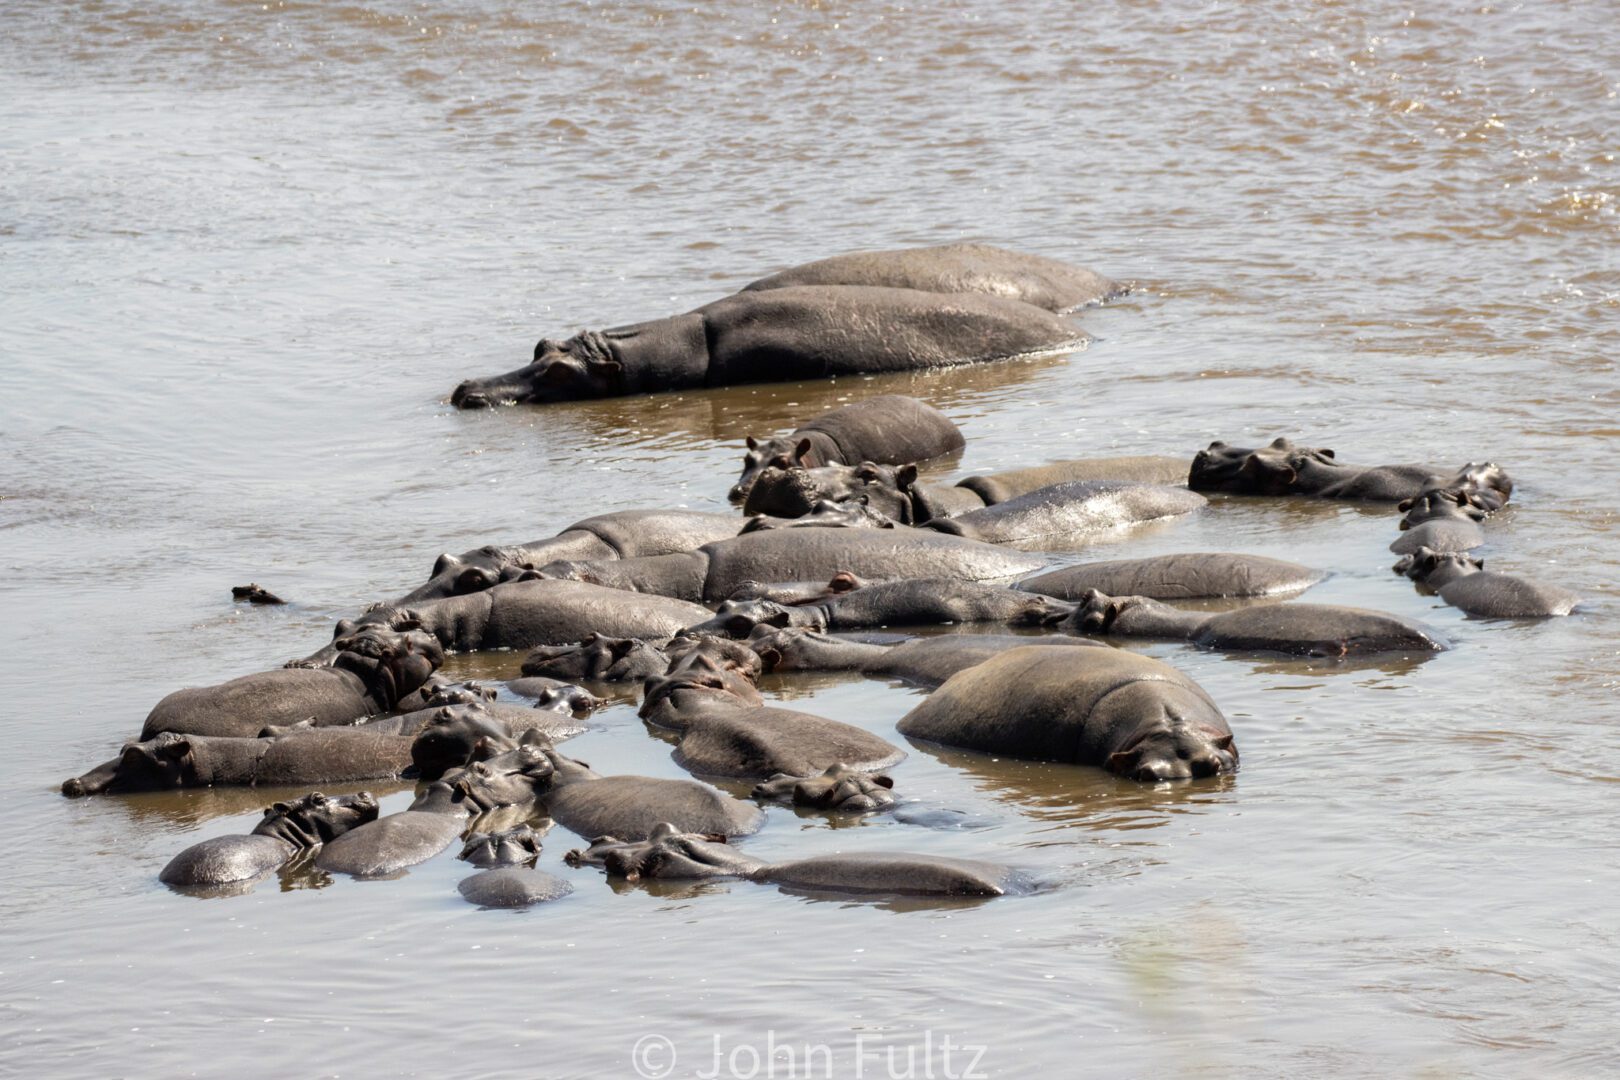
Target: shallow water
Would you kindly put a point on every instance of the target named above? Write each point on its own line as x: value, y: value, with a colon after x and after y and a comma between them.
x: 247, y: 249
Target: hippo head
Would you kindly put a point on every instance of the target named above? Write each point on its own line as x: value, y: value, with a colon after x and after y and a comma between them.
x: 840, y: 789
x: 456, y: 735
x: 1455, y: 503
x: 567, y: 699
x: 796, y: 649
x: 739, y: 618
x: 158, y: 764
x: 316, y: 819
x: 1488, y: 479
x: 703, y: 672
x: 513, y: 778
x: 1436, y: 568
x: 780, y: 451
x: 584, y: 366
x: 518, y: 846
x: 1176, y: 749
x: 666, y: 853
x: 392, y: 662
x: 457, y: 575
x: 1278, y: 469
x: 825, y: 514
x: 796, y: 490
x: 599, y: 658
x: 1097, y: 612
x: 437, y: 693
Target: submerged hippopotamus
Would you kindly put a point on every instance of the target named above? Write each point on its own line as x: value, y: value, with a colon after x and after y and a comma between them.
x: 632, y: 806
x: 1285, y: 468
x: 715, y: 570
x: 508, y: 878
x: 840, y: 789
x: 1463, y: 582
x: 1445, y: 519
x: 1185, y: 576
x: 1321, y: 630
x: 780, y: 335
x: 923, y: 661
x: 287, y: 830
x: 598, y: 658
x: 667, y: 853
x: 456, y: 735
x: 908, y: 602
x: 825, y: 515
x: 372, y: 669
x: 727, y: 730
x: 1131, y: 715
x: 1064, y: 514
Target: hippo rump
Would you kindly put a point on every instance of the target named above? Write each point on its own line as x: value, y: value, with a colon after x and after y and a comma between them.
x: 1185, y: 576
x: 1069, y: 513
x: 923, y: 661
x: 1463, y: 582
x: 632, y: 806
x: 1318, y: 630
x: 1131, y: 715
x: 888, y: 429
x: 1285, y: 468
x: 780, y: 335
x: 287, y: 830
x: 907, y: 602
x: 508, y: 878
x: 716, y: 570
x: 372, y: 669
x: 956, y: 268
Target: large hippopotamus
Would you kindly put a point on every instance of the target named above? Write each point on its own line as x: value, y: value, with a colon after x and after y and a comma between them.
x: 632, y: 806
x: 780, y: 335
x: 714, y: 571
x: 888, y: 429
x: 371, y: 670
x: 507, y: 878
x: 1321, y: 630
x: 956, y: 268
x: 318, y: 756
x: 1463, y: 582
x: 1133, y: 716
x: 1183, y: 576
x: 287, y: 830
x: 923, y: 661
x: 1444, y: 519
x: 1071, y: 512
x: 907, y: 602
x: 1285, y: 468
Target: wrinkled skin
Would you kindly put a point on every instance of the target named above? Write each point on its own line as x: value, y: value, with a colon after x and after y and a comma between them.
x: 779, y: 335
x: 1063, y: 514
x: 598, y: 658
x: 513, y: 777
x: 1284, y: 468
x: 1135, y: 717
x: 394, y: 843
x: 924, y: 661
x: 1319, y: 630
x: 631, y: 806
x: 887, y: 429
x: 287, y: 828
x: 840, y: 789
x: 910, y: 602
x: 1189, y: 576
x: 1463, y: 582
x: 374, y: 668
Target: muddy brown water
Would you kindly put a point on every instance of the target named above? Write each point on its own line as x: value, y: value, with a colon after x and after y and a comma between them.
x: 247, y: 249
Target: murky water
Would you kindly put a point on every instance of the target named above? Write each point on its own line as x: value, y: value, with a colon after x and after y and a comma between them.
x: 246, y: 250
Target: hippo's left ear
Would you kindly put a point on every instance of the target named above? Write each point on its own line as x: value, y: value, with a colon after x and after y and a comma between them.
x: 905, y: 476
x: 883, y: 781
x: 753, y: 443
x: 1325, y: 452
x: 1222, y: 742
x: 1121, y: 762
x: 800, y: 452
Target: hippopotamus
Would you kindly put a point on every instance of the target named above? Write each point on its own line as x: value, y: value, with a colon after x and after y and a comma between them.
x: 372, y: 669
x: 317, y: 756
x: 598, y: 658
x: 508, y: 878
x: 780, y: 335
x: 798, y: 592
x: 888, y: 429
x: 288, y: 829
x: 1463, y: 582
x: 727, y: 730
x: 956, y: 268
x: 826, y: 514
x: 1284, y: 468
x: 1185, y: 576
x: 459, y: 734
x: 1134, y: 716
x: 924, y: 661
x: 839, y: 789
x: 1445, y: 519
x: 908, y: 602
x: 1320, y: 630
x: 714, y: 571
x: 631, y: 806
x: 255, y: 593
x: 554, y: 695
x: 388, y: 845
x: 1065, y: 513
x: 669, y: 854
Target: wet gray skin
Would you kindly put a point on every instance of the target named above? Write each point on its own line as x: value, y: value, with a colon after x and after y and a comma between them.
x: 780, y: 335
x: 1285, y: 468
x: 513, y: 777
x: 598, y: 658
x: 797, y: 592
x: 1188, y: 576
x: 438, y: 691
x: 287, y: 828
x: 840, y: 789
x: 1445, y: 520
x: 631, y: 806
x: 1124, y: 712
x: 924, y: 661
x: 394, y: 843
x: 556, y: 723
x: 1320, y: 630
x: 1063, y: 514
x: 319, y: 756
x: 1463, y: 582
x: 517, y: 846
x: 554, y: 695
x: 854, y: 514
x: 508, y: 879
x: 457, y: 735
x: 909, y: 602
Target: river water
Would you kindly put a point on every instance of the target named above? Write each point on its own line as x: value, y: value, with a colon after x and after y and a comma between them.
x: 247, y: 249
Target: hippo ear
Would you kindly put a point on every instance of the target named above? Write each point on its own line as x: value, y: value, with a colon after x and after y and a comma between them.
x: 543, y: 346
x: 1405, y: 504
x: 844, y: 581
x: 177, y: 747
x: 753, y: 443
x: 1217, y: 445
x: 471, y: 580
x: 1222, y: 742
x: 740, y: 626
x: 344, y: 628
x: 406, y: 620
x: 883, y: 781
x: 769, y: 657
x: 1120, y: 762
x: 1325, y: 452
x: 800, y: 452
x: 905, y: 476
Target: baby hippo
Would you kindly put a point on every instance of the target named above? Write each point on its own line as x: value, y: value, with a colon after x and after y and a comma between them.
x: 508, y: 878
x: 288, y: 829
x: 1463, y: 582
x: 840, y: 789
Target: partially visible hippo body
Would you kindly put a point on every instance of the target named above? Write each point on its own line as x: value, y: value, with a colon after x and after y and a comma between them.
x: 908, y: 602
x: 840, y: 789
x: 1189, y: 576
x: 318, y: 756
x: 288, y: 828
x: 373, y: 669
x: 798, y: 592
x: 598, y: 658
x: 1284, y: 468
x: 1445, y: 520
x: 555, y: 724
x: 780, y: 335
x: 956, y: 268
x: 554, y: 695
x: 924, y: 661
x: 1321, y: 630
x: 632, y: 806
x: 887, y: 429
x: 399, y: 841
x: 715, y: 570
x: 1067, y: 513
x: 825, y: 515
x: 1134, y: 716
x: 1463, y: 582
x: 508, y: 879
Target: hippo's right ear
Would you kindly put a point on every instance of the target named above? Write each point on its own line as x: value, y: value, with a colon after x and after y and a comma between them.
x: 444, y: 562
x: 800, y: 452
x: 844, y: 581
x: 905, y: 476
x: 177, y: 746
x: 1404, y: 505
x: 344, y: 628
x: 543, y: 346
x: 1121, y: 762
x: 753, y: 443
x: 471, y: 580
x: 769, y: 657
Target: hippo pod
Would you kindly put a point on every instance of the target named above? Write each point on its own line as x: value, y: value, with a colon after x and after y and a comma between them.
x: 840, y: 789
x: 288, y: 828
x: 1073, y: 511
x: 780, y: 335
x: 908, y: 602
x: 631, y: 806
x: 1445, y: 519
x: 924, y: 661
x: 1188, y: 576
x: 598, y: 658
x: 372, y: 670
x: 669, y: 854
x: 714, y: 571
x: 1284, y: 468
x: 508, y: 878
x: 1463, y: 582
x: 888, y: 429
x: 1133, y: 716
x: 1319, y: 630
